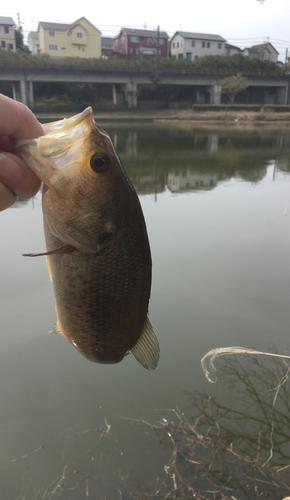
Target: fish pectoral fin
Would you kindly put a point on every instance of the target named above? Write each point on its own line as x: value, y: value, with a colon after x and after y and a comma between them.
x: 64, y: 249
x: 146, y: 350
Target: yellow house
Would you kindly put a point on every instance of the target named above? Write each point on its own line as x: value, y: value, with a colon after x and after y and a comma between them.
x: 79, y: 39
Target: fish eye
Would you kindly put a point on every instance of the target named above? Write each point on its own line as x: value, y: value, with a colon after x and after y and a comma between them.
x: 100, y: 163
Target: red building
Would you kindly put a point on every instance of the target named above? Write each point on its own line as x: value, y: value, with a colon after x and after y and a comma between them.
x: 141, y: 42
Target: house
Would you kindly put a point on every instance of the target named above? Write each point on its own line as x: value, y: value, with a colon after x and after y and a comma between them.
x: 141, y: 42
x: 264, y: 51
x: 188, y: 45
x: 7, y: 33
x: 106, y: 46
x: 79, y: 39
x: 33, y: 42
x: 230, y: 50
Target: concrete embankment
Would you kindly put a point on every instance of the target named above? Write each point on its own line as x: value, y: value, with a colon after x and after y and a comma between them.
x: 237, y: 117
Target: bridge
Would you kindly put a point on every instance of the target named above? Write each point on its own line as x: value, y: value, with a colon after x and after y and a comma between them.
x: 124, y: 80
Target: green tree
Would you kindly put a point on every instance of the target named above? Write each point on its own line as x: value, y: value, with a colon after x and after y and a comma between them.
x: 19, y: 40
x: 232, y: 85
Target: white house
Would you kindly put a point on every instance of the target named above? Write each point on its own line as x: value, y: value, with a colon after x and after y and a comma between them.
x: 188, y: 45
x: 232, y: 49
x: 33, y: 42
x: 7, y: 33
x: 264, y: 51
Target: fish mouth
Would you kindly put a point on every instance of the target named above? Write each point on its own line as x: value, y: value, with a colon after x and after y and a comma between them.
x: 58, y: 147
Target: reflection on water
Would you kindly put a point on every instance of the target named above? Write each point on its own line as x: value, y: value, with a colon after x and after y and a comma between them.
x: 182, y: 161
x: 214, y: 207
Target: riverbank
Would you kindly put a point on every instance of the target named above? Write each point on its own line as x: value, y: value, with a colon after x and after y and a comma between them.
x: 234, y: 117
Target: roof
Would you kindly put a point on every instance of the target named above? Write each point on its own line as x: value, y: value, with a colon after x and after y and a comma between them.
x: 63, y: 26
x: 54, y: 26
x: 229, y: 46
x: 260, y: 47
x: 199, y: 36
x: 7, y: 20
x: 147, y: 33
x: 106, y: 40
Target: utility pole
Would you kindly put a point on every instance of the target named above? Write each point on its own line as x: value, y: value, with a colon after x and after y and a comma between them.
x: 158, y: 30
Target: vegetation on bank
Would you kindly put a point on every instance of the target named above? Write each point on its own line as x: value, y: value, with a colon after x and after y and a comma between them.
x: 235, y: 63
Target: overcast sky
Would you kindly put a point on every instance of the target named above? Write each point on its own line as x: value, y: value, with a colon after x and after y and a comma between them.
x: 240, y: 22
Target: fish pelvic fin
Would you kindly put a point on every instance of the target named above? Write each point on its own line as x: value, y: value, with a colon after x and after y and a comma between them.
x: 56, y: 330
x: 64, y: 249
x: 146, y: 350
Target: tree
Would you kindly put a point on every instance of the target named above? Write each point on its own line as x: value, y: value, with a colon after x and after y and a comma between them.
x: 232, y: 85
x: 19, y: 40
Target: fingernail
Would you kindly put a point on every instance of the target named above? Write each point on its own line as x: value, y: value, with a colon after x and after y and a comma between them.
x: 2, y: 156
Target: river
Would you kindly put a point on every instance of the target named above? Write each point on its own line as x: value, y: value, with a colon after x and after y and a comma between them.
x: 217, y: 209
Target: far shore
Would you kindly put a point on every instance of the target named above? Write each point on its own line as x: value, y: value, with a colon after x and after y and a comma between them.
x: 189, y: 116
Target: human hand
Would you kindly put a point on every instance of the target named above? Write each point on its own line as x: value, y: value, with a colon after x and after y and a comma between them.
x: 16, y: 178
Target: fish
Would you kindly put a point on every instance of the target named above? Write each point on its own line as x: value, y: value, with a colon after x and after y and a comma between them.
x: 97, y: 246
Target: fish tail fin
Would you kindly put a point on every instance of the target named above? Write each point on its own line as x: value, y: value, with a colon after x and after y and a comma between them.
x: 146, y: 350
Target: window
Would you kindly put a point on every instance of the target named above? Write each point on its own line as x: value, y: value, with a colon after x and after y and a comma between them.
x: 177, y: 45
x: 219, y: 45
x: 208, y: 45
x: 122, y: 39
x: 79, y: 34
x: 188, y: 55
x: 193, y: 43
x: 203, y: 44
x: 51, y: 33
x: 10, y: 46
x: 52, y: 47
x: 6, y: 29
x: 180, y: 56
x: 3, y: 44
x: 161, y: 41
x: 134, y: 39
x: 173, y: 45
x: 131, y: 51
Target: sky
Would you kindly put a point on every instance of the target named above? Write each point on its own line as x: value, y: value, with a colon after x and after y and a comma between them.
x: 241, y: 22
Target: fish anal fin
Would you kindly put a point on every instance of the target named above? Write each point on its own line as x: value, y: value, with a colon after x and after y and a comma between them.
x: 64, y: 249
x: 146, y: 350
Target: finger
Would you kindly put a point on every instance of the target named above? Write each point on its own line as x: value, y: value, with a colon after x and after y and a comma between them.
x: 17, y: 120
x: 17, y: 176
x: 7, y: 198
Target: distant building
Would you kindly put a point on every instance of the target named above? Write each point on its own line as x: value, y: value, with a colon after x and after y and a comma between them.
x: 79, y: 39
x: 33, y: 42
x: 106, y: 45
x: 188, y: 45
x: 264, y: 51
x: 188, y: 181
x: 7, y: 33
x: 230, y: 50
x: 141, y: 42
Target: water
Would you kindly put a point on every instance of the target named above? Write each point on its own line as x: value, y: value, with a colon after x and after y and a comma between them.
x: 215, y: 204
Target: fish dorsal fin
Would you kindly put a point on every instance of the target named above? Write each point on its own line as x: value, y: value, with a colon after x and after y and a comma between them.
x: 146, y: 351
